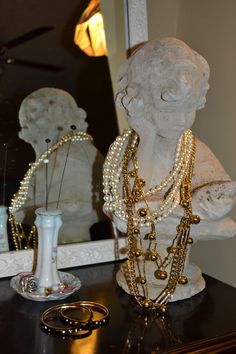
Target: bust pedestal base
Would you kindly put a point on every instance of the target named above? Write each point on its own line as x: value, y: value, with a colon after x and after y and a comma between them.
x: 195, y: 284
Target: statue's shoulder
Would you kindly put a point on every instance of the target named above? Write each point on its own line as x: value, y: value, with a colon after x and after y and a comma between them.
x: 207, y: 166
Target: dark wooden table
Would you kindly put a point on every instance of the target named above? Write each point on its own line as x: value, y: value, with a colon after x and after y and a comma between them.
x: 208, y: 315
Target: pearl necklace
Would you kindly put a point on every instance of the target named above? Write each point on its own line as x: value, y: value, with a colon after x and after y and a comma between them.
x: 143, y: 250
x: 20, y: 197
x: 112, y: 179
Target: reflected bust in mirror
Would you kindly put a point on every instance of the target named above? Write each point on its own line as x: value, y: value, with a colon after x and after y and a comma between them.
x: 67, y: 172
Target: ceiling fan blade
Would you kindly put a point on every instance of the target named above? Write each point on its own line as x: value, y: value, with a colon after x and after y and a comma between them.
x: 27, y: 37
x: 49, y: 67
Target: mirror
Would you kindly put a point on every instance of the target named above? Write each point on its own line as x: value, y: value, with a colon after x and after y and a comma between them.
x: 38, y: 51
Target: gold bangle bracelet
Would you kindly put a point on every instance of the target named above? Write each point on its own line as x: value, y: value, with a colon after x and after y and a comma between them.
x: 97, y: 321
x: 76, y: 319
x: 81, y: 330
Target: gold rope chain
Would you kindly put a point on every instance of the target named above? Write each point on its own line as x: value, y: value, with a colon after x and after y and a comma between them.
x: 178, y: 250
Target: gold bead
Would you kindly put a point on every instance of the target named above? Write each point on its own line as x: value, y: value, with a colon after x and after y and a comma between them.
x: 138, y: 253
x: 146, y: 303
x: 135, y: 231
x: 141, y: 182
x: 137, y: 191
x: 150, y: 236
x: 143, y: 280
x: 142, y: 212
x: 196, y: 219
x: 136, y: 199
x: 153, y: 257
x: 162, y: 308
x: 183, y: 280
x: 171, y: 249
x: 132, y: 173
x: 185, y: 204
x: 160, y: 274
x: 140, y: 280
x: 190, y: 241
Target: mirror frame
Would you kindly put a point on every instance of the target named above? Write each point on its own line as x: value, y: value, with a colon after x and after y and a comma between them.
x: 68, y: 256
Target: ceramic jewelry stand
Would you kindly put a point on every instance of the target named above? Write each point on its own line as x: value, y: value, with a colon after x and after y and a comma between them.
x: 46, y: 283
x: 194, y: 285
x: 4, y: 245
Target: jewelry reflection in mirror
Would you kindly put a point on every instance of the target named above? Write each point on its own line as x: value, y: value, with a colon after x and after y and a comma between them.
x: 4, y: 243
x: 51, y: 112
x: 45, y: 282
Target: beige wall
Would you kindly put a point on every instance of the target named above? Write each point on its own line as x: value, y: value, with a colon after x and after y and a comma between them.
x: 162, y: 18
x: 209, y: 27
x: 113, y: 13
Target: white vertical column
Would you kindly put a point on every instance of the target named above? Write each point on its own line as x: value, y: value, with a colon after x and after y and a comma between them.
x: 136, y: 27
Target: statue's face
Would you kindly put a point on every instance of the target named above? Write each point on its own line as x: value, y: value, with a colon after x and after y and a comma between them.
x: 165, y: 89
x: 31, y: 121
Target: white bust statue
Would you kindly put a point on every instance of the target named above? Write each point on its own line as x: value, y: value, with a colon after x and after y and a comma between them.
x: 49, y: 113
x: 160, y: 87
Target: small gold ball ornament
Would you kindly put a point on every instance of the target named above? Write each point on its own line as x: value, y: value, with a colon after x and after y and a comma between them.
x: 140, y: 280
x: 171, y: 249
x: 138, y: 253
x: 153, y: 257
x: 190, y: 241
x: 136, y: 231
x: 142, y: 212
x: 150, y: 236
x: 160, y: 274
x: 132, y: 173
x: 138, y: 191
x: 146, y: 303
x: 141, y: 182
x: 183, y: 280
x: 196, y: 219
x: 162, y: 309
x: 185, y: 204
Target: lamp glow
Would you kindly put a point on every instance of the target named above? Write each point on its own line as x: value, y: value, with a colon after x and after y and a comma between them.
x: 89, y: 32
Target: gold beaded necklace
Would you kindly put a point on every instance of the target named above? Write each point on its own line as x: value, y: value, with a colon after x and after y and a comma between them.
x: 134, y: 269
x: 20, y: 238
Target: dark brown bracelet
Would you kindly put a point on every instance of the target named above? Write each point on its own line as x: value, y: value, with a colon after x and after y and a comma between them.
x: 100, y: 315
x: 80, y: 330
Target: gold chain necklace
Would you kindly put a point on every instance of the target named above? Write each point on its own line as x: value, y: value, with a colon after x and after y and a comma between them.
x: 20, y: 238
x: 134, y: 270
x: 112, y: 172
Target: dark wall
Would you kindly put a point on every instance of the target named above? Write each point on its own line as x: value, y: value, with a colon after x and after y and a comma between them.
x: 86, y: 79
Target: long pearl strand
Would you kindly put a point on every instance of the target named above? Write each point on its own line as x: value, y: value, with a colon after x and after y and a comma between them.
x: 21, y: 196
x: 112, y: 178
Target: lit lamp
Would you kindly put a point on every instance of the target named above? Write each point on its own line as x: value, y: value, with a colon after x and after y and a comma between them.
x: 89, y: 32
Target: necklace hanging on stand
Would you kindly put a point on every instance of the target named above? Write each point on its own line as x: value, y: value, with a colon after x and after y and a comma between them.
x: 121, y: 167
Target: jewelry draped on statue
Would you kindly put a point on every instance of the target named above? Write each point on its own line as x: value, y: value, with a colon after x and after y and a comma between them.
x: 121, y: 166
x: 20, y: 237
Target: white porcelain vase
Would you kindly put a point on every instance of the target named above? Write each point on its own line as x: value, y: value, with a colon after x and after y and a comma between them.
x: 4, y: 244
x: 48, y: 223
